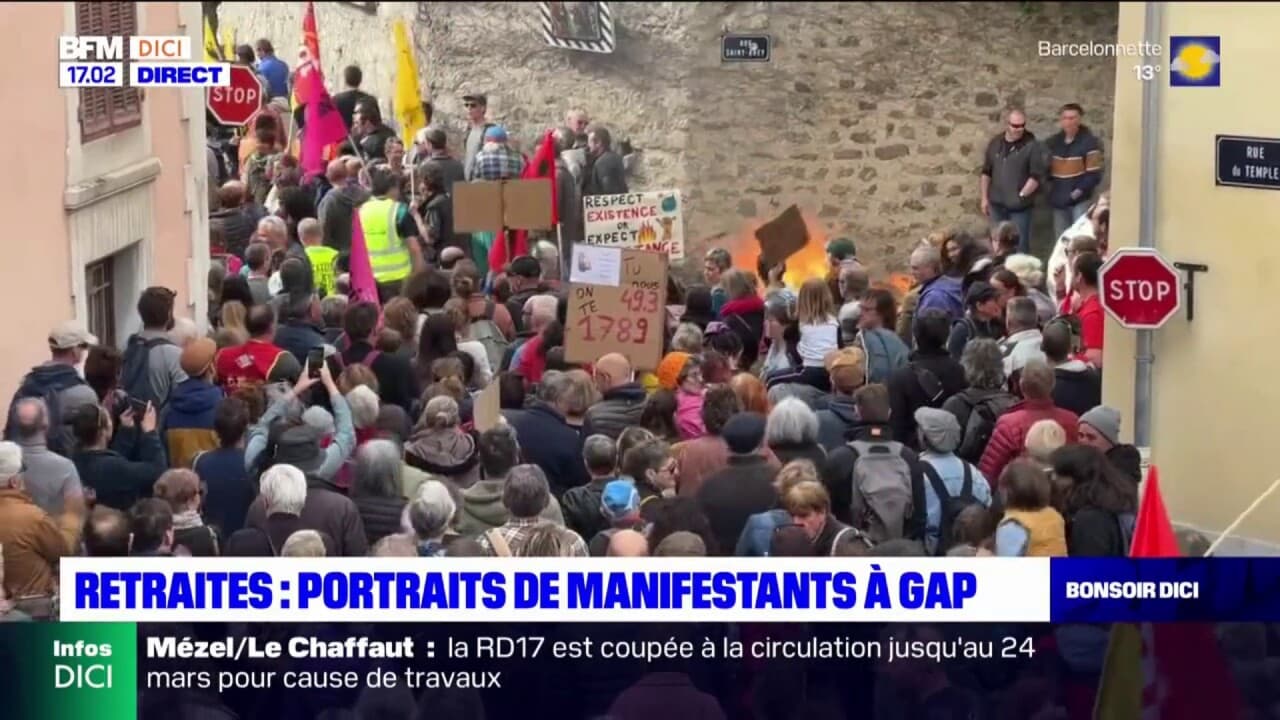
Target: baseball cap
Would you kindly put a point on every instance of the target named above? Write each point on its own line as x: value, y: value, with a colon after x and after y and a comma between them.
x: 496, y: 133
x: 619, y: 499
x: 477, y: 98
x: 70, y: 334
x: 842, y: 248
x: 526, y: 267
x: 980, y: 291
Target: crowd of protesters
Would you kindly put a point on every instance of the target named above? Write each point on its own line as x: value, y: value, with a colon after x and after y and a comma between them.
x: 832, y: 419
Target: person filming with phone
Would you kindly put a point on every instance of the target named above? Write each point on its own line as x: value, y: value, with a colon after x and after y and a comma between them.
x: 119, y: 469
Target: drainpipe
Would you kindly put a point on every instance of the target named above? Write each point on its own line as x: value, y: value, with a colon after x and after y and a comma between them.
x: 1147, y: 224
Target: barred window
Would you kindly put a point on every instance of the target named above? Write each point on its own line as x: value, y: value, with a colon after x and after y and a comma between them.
x: 99, y: 282
x: 108, y: 110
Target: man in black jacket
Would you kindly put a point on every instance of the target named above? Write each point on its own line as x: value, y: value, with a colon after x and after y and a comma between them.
x: 1077, y: 386
x: 622, y: 398
x: 121, y: 472
x: 745, y: 487
x: 1012, y: 169
x: 607, y: 174
x: 547, y: 440
x: 928, y: 380
x: 1075, y: 168
x: 581, y: 505
x: 347, y: 100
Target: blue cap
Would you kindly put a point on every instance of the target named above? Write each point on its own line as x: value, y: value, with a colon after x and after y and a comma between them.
x: 619, y: 499
x: 495, y: 133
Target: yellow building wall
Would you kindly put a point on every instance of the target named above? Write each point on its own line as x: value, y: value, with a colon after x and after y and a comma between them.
x: 1215, y: 397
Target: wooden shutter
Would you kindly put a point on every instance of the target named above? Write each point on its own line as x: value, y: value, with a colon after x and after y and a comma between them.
x: 105, y: 111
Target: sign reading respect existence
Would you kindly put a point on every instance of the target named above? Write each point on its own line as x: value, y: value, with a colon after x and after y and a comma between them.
x: 652, y: 221
x: 617, y: 303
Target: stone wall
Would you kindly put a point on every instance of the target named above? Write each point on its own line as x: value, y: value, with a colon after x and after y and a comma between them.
x: 871, y: 116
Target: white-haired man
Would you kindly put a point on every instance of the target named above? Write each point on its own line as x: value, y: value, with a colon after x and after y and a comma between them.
x: 31, y: 540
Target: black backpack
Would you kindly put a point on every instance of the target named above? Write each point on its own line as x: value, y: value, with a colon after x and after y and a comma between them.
x: 951, y: 506
x: 58, y: 439
x: 135, y: 367
x: 981, y: 424
x: 930, y: 384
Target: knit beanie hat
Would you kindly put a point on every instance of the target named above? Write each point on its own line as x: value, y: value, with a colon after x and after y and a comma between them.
x: 1106, y: 420
x: 197, y: 356
x: 669, y: 369
x: 619, y: 499
x: 744, y: 433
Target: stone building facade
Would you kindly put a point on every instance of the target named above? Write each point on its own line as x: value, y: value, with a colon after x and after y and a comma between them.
x: 871, y: 116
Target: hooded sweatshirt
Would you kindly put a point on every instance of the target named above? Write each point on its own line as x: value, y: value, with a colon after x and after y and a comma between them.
x: 482, y: 509
x: 188, y: 421
x: 835, y: 421
x: 336, y: 210
x: 448, y: 452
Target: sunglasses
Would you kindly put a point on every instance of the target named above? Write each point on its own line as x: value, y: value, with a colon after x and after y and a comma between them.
x: 469, y: 105
x: 1019, y: 126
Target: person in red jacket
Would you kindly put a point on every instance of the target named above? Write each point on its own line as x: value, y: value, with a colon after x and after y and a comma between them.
x: 1010, y: 434
x: 259, y: 360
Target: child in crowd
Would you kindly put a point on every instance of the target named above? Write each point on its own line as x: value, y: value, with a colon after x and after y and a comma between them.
x: 324, y: 259
x: 819, y: 332
x: 689, y: 395
x: 1031, y: 527
x: 620, y: 505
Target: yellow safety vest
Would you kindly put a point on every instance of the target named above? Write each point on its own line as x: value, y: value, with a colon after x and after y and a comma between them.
x: 388, y: 256
x: 323, y: 260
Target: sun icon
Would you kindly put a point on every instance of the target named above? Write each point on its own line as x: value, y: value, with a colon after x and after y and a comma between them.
x: 1195, y: 60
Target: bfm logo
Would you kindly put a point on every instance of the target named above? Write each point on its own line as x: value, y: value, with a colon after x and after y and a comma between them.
x: 96, y: 677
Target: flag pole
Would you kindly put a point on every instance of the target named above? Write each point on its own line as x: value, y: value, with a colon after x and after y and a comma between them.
x: 1241, y: 518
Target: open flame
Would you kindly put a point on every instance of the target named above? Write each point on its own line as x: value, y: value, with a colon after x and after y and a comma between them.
x: 646, y: 235
x: 809, y: 262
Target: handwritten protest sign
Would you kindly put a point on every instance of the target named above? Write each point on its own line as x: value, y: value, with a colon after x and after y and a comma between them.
x: 783, y: 236
x: 652, y: 221
x: 628, y: 316
x: 510, y: 204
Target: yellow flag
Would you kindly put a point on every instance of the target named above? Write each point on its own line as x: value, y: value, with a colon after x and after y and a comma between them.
x: 211, y: 49
x: 1120, y: 690
x: 406, y: 101
x: 228, y: 43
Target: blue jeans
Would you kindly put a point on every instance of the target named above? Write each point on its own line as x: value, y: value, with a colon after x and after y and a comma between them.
x: 1064, y: 217
x: 1020, y: 218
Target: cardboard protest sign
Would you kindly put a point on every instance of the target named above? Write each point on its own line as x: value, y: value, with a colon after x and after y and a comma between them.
x: 782, y: 237
x: 510, y: 204
x: 488, y: 408
x: 651, y: 221
x: 623, y: 308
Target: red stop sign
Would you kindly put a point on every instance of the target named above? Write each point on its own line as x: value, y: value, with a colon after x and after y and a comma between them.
x: 238, y: 101
x: 1139, y: 288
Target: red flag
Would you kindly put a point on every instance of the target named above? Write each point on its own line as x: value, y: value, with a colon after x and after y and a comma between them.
x: 1153, y: 535
x: 310, y: 37
x: 1187, y: 675
x: 542, y: 166
x: 363, y: 287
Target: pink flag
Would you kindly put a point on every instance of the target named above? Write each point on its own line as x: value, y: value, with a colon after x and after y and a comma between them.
x: 321, y: 124
x: 363, y: 286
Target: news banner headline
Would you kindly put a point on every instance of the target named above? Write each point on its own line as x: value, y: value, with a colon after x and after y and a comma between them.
x: 154, y: 61
x: 670, y: 590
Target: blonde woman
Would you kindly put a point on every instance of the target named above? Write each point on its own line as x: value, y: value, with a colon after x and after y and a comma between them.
x: 819, y: 332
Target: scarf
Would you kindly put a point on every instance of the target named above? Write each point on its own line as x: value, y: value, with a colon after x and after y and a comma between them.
x: 187, y: 519
x: 742, y: 306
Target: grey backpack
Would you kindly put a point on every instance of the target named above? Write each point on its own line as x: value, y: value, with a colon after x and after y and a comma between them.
x: 486, y: 332
x: 882, y: 503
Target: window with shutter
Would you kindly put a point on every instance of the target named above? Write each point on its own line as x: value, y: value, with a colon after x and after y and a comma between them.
x: 106, y: 111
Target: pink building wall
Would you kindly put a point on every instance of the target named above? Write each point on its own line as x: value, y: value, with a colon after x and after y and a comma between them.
x: 36, y: 272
